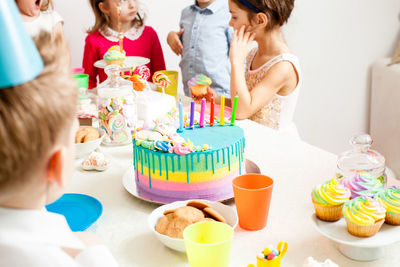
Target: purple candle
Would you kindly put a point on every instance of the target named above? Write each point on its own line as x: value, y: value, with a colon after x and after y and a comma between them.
x: 203, y: 107
x: 191, y: 125
x: 180, y: 117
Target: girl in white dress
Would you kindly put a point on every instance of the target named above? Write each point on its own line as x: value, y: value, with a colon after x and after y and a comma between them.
x: 268, y: 79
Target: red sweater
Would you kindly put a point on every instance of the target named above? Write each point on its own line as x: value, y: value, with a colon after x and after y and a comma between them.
x: 147, y: 45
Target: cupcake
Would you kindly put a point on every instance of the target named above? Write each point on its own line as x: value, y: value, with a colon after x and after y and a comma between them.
x: 113, y: 56
x: 390, y: 200
x: 328, y: 199
x: 364, y: 216
x: 363, y: 184
x: 199, y: 84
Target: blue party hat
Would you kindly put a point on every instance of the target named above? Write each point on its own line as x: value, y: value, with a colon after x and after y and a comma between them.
x: 20, y: 61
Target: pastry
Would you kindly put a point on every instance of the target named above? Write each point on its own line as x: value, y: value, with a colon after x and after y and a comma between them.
x: 91, y: 134
x: 210, y: 212
x: 199, y: 84
x: 390, y: 200
x: 175, y: 221
x: 86, y: 134
x: 363, y: 184
x: 364, y: 216
x: 328, y: 199
x: 80, y: 134
x: 95, y: 161
x: 114, y: 56
x: 198, y: 204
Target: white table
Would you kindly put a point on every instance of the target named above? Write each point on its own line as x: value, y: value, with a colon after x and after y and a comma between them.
x: 295, y: 167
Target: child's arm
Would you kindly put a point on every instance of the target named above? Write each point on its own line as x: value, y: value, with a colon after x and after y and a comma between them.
x: 89, y: 58
x: 276, y: 78
x: 174, y: 41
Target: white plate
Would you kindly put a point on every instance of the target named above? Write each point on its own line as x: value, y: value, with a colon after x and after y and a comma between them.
x: 178, y: 244
x: 358, y: 248
x: 128, y: 63
x: 128, y: 181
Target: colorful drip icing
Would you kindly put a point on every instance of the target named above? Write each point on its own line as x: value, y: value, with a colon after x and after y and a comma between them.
x: 186, y: 163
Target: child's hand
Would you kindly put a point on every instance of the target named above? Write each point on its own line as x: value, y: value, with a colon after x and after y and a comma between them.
x: 174, y: 42
x: 240, y: 45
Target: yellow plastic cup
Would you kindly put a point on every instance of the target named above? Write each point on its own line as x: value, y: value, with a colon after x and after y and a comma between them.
x: 208, y: 244
x: 172, y: 75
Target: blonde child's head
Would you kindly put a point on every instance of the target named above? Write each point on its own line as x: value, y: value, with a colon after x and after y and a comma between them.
x: 105, y: 12
x: 37, y: 128
x: 269, y: 13
x: 32, y: 8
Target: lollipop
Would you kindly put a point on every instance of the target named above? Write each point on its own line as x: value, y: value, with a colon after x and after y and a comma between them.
x: 143, y: 71
x: 161, y: 80
x: 117, y: 122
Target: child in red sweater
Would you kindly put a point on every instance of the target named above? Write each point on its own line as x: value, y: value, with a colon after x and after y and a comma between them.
x: 139, y: 40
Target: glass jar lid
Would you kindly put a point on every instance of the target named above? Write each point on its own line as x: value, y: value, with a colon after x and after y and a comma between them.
x: 114, y: 85
x: 361, y: 158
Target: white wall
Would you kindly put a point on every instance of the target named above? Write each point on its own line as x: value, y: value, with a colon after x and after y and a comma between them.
x: 336, y: 41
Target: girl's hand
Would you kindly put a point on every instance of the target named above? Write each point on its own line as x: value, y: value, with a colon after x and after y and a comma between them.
x: 240, y: 45
x: 174, y: 41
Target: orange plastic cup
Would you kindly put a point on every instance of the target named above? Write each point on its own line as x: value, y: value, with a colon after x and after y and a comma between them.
x: 252, y: 198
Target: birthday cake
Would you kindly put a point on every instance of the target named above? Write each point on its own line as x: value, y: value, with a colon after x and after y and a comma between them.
x: 197, y: 163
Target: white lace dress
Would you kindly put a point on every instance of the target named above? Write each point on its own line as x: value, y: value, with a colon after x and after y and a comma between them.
x: 278, y: 113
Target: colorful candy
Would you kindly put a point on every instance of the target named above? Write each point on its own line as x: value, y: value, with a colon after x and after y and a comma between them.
x: 113, y: 120
x: 162, y: 145
x: 143, y: 71
x: 269, y: 253
x: 161, y: 80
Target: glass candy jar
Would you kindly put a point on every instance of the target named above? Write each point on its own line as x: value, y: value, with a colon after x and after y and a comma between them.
x: 116, y: 107
x: 361, y: 159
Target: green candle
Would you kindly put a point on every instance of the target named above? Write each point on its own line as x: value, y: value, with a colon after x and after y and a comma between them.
x: 235, y: 101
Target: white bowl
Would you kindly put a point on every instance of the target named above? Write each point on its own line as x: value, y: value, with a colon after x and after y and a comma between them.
x: 83, y: 149
x: 178, y: 244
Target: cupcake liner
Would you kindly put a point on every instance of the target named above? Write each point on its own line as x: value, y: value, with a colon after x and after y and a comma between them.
x: 393, y: 219
x: 328, y: 213
x: 199, y: 89
x: 115, y: 62
x: 363, y: 230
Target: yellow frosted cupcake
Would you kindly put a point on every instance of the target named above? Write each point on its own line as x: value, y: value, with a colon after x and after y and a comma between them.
x: 390, y: 200
x: 364, y: 216
x: 328, y: 199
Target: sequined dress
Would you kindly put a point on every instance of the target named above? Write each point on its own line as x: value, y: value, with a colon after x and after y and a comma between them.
x: 278, y: 113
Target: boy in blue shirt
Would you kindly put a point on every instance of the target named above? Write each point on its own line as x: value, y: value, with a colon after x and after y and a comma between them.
x: 203, y: 41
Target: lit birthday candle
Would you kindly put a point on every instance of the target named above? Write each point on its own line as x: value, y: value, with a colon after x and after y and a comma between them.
x: 180, y: 116
x: 191, y: 125
x: 212, y: 111
x: 222, y: 118
x: 202, y: 110
x: 235, y: 101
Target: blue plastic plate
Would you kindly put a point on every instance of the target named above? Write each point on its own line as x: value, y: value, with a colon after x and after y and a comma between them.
x: 81, y: 211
